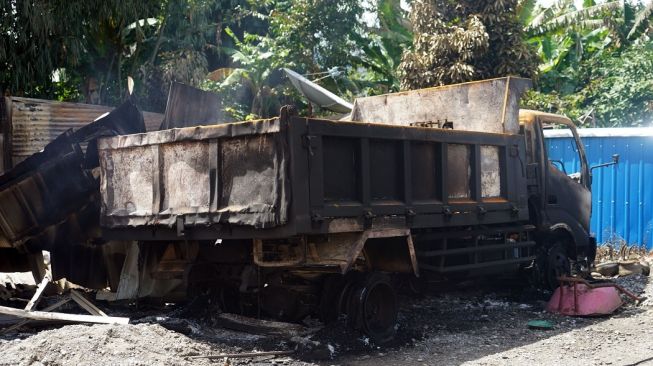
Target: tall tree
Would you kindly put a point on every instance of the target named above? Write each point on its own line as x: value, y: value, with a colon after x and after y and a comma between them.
x: 39, y: 37
x: 381, y: 48
x: 457, y: 41
x: 594, y: 60
x: 314, y: 37
x: 316, y: 33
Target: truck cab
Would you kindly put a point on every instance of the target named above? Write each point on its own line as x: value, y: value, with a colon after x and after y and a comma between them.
x: 560, y: 201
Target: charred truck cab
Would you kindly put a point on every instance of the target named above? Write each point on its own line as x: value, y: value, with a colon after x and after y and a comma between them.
x: 560, y: 202
x: 296, y: 216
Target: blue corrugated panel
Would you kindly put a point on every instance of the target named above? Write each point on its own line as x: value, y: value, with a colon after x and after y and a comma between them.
x: 622, y: 198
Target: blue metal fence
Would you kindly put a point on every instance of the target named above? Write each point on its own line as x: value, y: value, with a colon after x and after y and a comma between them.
x: 622, y: 195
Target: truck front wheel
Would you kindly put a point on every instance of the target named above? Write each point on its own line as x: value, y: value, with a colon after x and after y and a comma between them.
x: 377, y: 307
x: 367, y: 299
x: 554, y: 262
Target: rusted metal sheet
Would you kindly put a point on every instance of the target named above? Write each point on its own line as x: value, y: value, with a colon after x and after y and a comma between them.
x: 188, y: 106
x: 33, y: 123
x: 484, y: 106
x: 232, y: 173
x: 338, y: 252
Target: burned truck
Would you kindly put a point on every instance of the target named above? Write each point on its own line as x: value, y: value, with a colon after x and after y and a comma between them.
x: 295, y: 216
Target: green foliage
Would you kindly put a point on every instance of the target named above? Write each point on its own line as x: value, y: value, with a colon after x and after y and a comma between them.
x: 190, y: 40
x: 381, y: 49
x: 38, y: 37
x: 158, y: 42
x: 308, y: 36
x: 252, y: 78
x: 622, y: 90
x: 318, y: 34
x: 99, y: 43
x: 457, y: 41
x: 592, y: 58
x: 641, y: 21
x: 595, y: 61
x: 618, y: 91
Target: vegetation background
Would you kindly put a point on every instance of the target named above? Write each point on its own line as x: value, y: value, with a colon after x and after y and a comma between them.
x: 592, y: 60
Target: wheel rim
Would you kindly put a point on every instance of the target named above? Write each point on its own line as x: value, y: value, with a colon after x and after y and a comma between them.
x: 379, y: 311
x: 558, y: 266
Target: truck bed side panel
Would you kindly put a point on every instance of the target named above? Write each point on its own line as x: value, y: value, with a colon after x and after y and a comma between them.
x: 225, y: 174
x: 416, y: 177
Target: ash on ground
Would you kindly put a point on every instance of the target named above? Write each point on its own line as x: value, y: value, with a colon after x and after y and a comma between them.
x: 482, y: 323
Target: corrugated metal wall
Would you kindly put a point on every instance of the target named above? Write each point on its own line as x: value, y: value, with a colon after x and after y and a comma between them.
x: 36, y: 122
x: 622, y: 197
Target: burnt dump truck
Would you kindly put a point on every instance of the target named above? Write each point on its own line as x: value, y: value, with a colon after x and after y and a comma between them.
x: 296, y: 216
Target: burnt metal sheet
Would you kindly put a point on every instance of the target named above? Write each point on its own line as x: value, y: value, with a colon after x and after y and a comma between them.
x: 339, y: 251
x: 221, y: 174
x: 34, y: 196
x: 446, y: 175
x: 459, y: 174
x: 5, y: 133
x: 364, y: 176
x: 188, y: 106
x: 49, y: 199
x: 12, y: 260
x: 484, y: 106
x: 33, y: 123
x: 490, y: 171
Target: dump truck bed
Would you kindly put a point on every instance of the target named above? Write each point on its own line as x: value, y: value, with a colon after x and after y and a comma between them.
x: 291, y: 176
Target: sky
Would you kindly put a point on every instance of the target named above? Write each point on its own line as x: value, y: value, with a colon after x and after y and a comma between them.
x: 578, y: 2
x: 549, y: 2
x: 370, y: 18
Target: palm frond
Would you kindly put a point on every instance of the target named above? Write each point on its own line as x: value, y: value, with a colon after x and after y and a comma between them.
x: 577, y: 18
x: 525, y: 10
x: 641, y: 21
x: 392, y: 19
x: 592, y: 23
x: 540, y: 19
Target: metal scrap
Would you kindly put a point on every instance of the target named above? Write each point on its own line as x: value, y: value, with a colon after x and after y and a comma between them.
x: 576, y: 296
x: 77, y: 318
x: 97, y: 315
x: 243, y: 355
x: 49, y: 201
x: 188, y: 106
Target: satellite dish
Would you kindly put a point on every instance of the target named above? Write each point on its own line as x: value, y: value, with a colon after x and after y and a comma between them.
x: 317, y: 94
x: 130, y: 85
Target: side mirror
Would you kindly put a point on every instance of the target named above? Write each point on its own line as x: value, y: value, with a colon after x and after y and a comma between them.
x: 615, y: 158
x: 615, y: 161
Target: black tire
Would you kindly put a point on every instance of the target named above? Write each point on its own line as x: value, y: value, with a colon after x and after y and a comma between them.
x: 555, y: 263
x: 329, y: 307
x: 376, y: 307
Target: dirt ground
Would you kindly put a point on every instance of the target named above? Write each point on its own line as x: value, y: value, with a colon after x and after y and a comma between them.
x: 477, y: 323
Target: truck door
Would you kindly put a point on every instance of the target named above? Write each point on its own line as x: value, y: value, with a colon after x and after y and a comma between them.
x: 568, y: 201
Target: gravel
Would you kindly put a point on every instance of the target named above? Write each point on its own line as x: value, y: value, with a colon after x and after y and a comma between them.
x: 477, y: 323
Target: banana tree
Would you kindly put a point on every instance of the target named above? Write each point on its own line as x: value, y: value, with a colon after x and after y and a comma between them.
x: 381, y: 49
x: 255, y: 62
